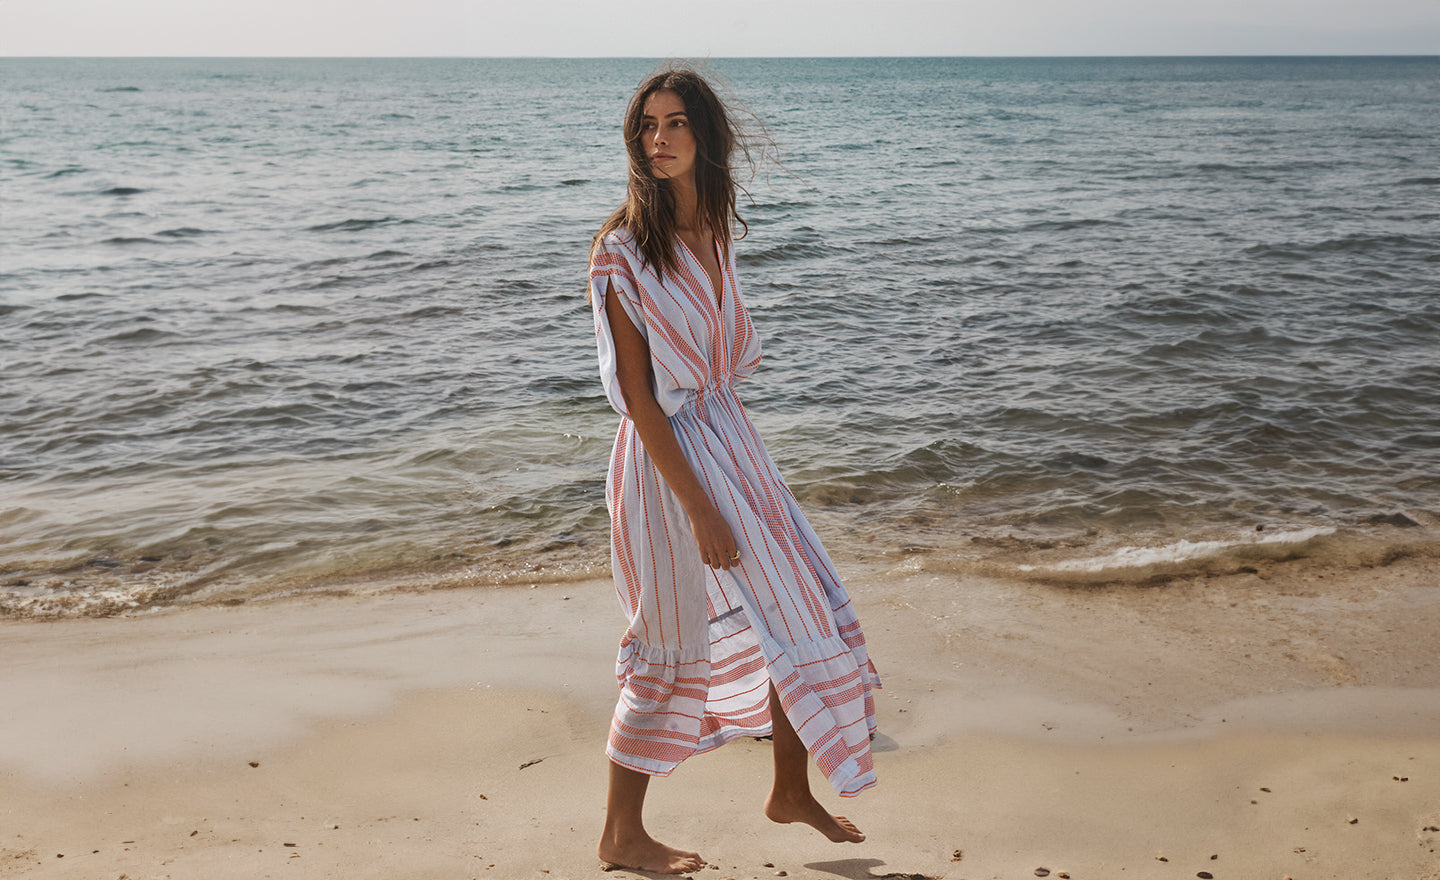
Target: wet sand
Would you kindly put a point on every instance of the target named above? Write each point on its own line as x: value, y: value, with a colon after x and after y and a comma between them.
x: 1284, y: 722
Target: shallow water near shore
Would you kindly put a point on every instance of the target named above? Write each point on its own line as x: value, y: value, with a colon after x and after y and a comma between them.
x: 285, y: 326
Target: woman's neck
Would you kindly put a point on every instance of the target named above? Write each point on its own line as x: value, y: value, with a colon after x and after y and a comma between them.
x: 687, y: 204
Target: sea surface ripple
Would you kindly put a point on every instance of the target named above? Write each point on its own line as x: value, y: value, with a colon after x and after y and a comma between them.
x: 284, y: 326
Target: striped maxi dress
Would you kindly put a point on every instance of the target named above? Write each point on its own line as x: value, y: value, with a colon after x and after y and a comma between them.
x: 703, y: 645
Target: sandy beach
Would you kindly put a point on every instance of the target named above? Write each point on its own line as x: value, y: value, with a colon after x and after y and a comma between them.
x: 1108, y: 382
x: 1280, y: 722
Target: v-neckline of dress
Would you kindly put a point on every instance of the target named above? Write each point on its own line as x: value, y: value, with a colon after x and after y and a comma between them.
x: 717, y: 285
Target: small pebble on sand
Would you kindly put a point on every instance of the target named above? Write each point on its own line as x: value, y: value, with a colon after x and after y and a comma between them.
x: 1353, y: 821
x: 1042, y: 872
x: 1205, y: 875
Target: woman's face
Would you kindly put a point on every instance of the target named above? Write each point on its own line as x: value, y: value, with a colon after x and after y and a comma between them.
x: 666, y: 136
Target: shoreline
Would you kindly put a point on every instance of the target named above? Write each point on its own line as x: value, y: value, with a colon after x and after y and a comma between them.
x: 1085, y: 730
x: 117, y: 583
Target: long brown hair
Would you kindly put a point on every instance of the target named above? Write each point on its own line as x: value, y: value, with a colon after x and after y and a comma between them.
x: 649, y: 209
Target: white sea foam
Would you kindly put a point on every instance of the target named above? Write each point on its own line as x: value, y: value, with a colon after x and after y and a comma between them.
x: 91, y: 602
x: 1180, y: 551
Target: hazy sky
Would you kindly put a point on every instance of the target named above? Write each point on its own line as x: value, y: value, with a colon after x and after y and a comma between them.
x: 630, y: 28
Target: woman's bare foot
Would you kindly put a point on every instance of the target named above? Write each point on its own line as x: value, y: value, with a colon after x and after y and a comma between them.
x: 649, y: 854
x: 808, y: 810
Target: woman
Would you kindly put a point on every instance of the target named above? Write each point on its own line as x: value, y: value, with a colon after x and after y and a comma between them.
x: 738, y: 623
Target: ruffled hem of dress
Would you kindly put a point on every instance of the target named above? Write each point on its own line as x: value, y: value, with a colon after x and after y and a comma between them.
x: 638, y: 667
x: 656, y: 686
x: 845, y: 761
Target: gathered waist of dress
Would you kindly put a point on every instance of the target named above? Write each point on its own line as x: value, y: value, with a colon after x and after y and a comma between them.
x: 697, y: 400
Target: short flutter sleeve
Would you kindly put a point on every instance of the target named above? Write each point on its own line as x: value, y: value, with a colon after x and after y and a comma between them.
x: 654, y: 310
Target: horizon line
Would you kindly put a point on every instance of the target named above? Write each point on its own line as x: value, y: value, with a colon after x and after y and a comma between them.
x: 1073, y: 56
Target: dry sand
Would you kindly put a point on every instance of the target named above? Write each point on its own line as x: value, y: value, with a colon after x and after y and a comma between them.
x: 1279, y: 723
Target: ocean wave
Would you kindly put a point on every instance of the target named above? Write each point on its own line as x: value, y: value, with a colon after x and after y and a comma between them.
x: 1354, y: 243
x: 1067, y: 225
x: 1269, y: 544
x: 787, y: 252
x: 312, y: 265
x: 332, y: 282
x: 1071, y: 561
x: 145, y: 335
x: 420, y: 313
x: 22, y: 600
x: 355, y: 224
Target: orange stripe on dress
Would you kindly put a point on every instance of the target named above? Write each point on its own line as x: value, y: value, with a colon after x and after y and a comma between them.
x: 703, y: 298
x: 665, y: 753
x: 619, y: 525
x: 765, y: 504
x: 654, y: 316
x: 747, y: 655
x: 730, y: 676
x: 750, y: 570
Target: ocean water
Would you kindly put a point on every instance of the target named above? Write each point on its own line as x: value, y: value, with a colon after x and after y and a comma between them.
x: 291, y: 326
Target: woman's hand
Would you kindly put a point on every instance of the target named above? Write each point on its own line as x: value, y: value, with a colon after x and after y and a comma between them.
x: 713, y: 538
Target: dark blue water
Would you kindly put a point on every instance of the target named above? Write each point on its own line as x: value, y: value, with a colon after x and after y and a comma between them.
x: 273, y: 325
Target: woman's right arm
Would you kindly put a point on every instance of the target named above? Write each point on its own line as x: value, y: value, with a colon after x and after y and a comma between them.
x: 633, y: 371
